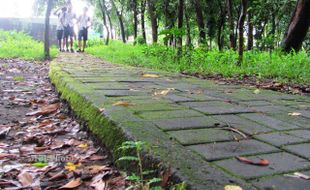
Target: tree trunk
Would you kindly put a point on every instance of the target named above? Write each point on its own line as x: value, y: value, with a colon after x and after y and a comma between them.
x: 221, y: 24
x: 135, y: 20
x: 298, y: 27
x: 188, y: 30
x: 200, y: 22
x: 250, y: 31
x: 242, y: 18
x: 47, y: 30
x: 110, y: 23
x: 153, y: 18
x: 143, y: 5
x: 231, y: 24
x: 180, y: 25
x: 104, y: 18
x: 119, y: 15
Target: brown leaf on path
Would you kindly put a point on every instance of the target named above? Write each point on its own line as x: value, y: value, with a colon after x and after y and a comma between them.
x: 97, y: 157
x: 45, y: 110
x: 25, y: 178
x: 124, y: 104
x: 163, y: 92
x: 262, y: 162
x: 41, y: 148
x: 294, y: 114
x: 165, y: 176
x: 59, y: 175
x: 5, y: 155
x: 95, y: 169
x: 117, y: 182
x: 98, y: 185
x: 150, y: 75
x: 72, y: 184
x: 232, y: 187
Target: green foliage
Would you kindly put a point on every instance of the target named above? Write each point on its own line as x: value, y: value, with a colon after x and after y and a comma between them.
x: 292, y: 68
x: 139, y: 181
x: 19, y: 45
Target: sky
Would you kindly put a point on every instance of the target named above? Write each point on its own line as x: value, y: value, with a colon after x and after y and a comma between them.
x: 23, y: 8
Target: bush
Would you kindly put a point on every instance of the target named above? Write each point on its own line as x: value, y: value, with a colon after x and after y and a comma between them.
x: 290, y: 68
x: 20, y: 45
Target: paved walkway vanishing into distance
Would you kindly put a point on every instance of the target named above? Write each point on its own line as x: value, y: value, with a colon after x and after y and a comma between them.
x: 196, y: 126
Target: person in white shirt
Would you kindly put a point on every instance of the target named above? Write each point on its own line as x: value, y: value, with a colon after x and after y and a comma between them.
x: 69, y: 17
x: 84, y: 23
x: 60, y: 26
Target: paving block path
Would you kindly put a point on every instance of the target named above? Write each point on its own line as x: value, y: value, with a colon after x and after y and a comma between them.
x: 196, y: 126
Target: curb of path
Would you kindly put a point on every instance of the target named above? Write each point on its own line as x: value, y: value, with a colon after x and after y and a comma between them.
x: 108, y: 126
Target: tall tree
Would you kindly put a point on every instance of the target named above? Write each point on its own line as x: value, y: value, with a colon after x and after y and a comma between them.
x: 298, y: 26
x: 47, y: 29
x: 200, y: 22
x: 231, y: 24
x: 250, y: 31
x: 143, y: 5
x: 242, y: 18
x: 180, y: 25
x: 135, y: 18
x: 104, y: 18
x: 119, y: 14
x: 153, y: 18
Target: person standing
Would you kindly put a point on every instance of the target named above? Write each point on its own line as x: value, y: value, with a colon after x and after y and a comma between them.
x: 84, y: 23
x: 68, y: 28
x: 60, y: 26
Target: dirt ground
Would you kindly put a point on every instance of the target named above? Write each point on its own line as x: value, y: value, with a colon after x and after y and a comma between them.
x: 41, y: 145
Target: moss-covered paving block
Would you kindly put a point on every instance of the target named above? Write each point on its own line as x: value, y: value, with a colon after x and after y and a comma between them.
x: 198, y: 136
x: 154, y: 115
x: 278, y: 163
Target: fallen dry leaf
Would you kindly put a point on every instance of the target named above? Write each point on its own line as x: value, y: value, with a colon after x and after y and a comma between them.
x: 59, y: 175
x: 71, y: 166
x: 95, y: 169
x: 294, y: 114
x: 25, y: 178
x: 4, y: 155
x: 125, y: 104
x: 72, y: 184
x: 150, y: 76
x: 98, y: 185
x: 232, y: 187
x: 83, y: 146
x: 45, y: 110
x: 299, y: 175
x: 97, y: 157
x: 262, y: 162
x: 163, y: 92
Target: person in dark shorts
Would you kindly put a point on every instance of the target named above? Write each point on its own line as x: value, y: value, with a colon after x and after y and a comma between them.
x: 84, y: 23
x: 60, y: 26
x: 68, y: 28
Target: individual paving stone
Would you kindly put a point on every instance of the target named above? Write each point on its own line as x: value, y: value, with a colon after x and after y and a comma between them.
x: 272, y: 109
x: 170, y: 114
x: 296, y: 120
x: 155, y: 107
x: 283, y: 183
x: 177, y: 98
x: 300, y: 149
x: 256, y: 103
x: 199, y: 136
x: 279, y: 138
x: 243, y: 124
x: 200, y: 97
x: 278, y: 163
x: 216, y: 151
x: 305, y: 134
x: 187, y: 123
x: 217, y: 107
x: 269, y: 121
x: 117, y: 93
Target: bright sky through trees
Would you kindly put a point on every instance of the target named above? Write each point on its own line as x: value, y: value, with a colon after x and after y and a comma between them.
x: 23, y: 8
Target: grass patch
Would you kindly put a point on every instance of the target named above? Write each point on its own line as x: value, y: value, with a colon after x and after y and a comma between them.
x: 290, y: 68
x: 20, y: 45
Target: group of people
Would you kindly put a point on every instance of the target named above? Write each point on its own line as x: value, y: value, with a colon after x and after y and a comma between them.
x: 65, y: 28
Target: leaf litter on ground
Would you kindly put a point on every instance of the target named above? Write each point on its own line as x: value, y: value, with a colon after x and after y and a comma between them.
x: 42, y: 146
